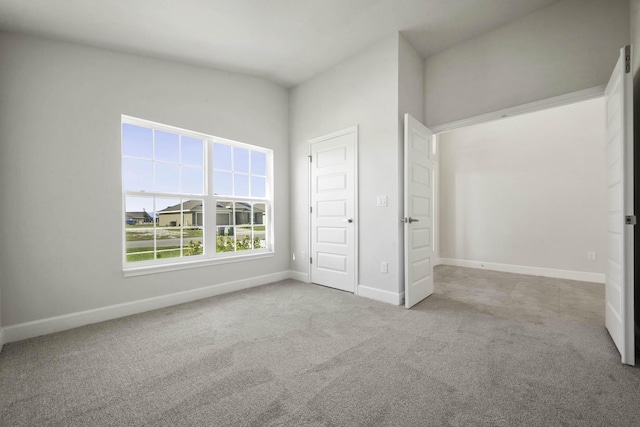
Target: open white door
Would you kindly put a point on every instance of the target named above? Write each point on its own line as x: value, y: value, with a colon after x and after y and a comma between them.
x: 418, y: 211
x: 620, y: 263
x: 333, y: 209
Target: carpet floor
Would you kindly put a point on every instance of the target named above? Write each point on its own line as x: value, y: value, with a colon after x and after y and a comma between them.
x: 486, y: 348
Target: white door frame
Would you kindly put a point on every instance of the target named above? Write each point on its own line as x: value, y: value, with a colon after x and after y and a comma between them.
x: 530, y: 107
x: 350, y: 130
x: 436, y: 200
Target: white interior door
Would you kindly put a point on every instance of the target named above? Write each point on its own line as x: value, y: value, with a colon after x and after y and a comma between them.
x: 619, y: 278
x: 333, y: 209
x: 418, y: 211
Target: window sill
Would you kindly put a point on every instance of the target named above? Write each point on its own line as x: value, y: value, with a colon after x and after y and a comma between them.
x: 185, y: 265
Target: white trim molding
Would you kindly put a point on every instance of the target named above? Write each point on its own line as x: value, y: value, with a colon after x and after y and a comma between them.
x: 183, y: 265
x: 50, y: 325
x: 299, y: 276
x: 381, y: 295
x: 582, y: 276
x: 556, y: 101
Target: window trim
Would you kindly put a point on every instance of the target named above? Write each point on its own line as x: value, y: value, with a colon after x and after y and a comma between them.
x: 210, y: 256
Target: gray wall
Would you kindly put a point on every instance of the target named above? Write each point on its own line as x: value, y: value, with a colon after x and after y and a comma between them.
x: 527, y: 190
x: 361, y: 91
x: 60, y: 107
x: 410, y: 100
x: 568, y: 46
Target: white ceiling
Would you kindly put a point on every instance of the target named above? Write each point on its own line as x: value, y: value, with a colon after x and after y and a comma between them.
x: 287, y: 41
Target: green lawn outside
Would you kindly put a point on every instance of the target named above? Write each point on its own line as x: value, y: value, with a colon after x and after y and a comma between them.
x: 145, y: 254
x: 168, y: 234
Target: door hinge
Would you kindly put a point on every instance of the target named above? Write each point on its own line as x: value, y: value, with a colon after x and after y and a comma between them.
x: 310, y: 159
x: 630, y: 220
x: 627, y: 59
x: 310, y: 260
x: 310, y: 209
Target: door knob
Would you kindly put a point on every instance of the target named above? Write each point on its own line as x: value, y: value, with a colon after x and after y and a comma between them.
x: 349, y: 220
x: 409, y: 220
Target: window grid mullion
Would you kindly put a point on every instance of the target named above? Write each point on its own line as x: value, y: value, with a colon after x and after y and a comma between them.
x: 233, y: 170
x: 153, y: 186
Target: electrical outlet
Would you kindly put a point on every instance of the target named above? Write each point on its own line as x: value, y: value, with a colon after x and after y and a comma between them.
x: 591, y: 256
x: 384, y: 267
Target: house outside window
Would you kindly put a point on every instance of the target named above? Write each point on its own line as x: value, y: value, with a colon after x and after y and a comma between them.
x: 189, y: 196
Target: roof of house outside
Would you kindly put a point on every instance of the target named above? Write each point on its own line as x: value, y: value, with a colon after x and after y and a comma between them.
x: 191, y: 206
x: 188, y: 206
x: 137, y: 215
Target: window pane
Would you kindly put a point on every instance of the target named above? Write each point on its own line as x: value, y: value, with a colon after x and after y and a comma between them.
x: 259, y: 213
x: 192, y: 180
x: 225, y: 239
x: 243, y: 229
x: 139, y: 212
x: 137, y: 175
x: 167, y: 243
x: 139, y: 228
x: 167, y: 178
x: 139, y: 244
x: 240, y: 185
x: 167, y: 146
x: 137, y: 141
x: 259, y: 228
x: 259, y: 237
x: 224, y: 213
x: 240, y: 160
x: 168, y: 211
x: 258, y: 163
x: 222, y: 157
x: 258, y: 186
x: 243, y: 213
x: 192, y: 212
x: 192, y: 151
x: 244, y: 240
x: 222, y: 183
x: 192, y: 243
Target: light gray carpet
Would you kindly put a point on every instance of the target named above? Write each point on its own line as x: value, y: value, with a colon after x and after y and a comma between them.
x: 485, y: 349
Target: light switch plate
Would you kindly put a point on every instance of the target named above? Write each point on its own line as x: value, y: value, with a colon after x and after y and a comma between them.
x: 382, y: 201
x: 384, y: 267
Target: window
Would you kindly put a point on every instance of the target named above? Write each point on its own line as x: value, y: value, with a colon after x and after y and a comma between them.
x: 190, y: 196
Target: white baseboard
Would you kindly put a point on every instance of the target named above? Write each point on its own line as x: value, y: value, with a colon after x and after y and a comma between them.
x: 50, y: 325
x: 299, y: 276
x: 523, y: 269
x: 380, y: 295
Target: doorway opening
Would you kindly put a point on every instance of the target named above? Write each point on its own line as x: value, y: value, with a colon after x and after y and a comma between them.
x: 531, y: 194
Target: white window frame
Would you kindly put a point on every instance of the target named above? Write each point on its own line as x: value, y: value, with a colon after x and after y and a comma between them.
x: 210, y: 256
